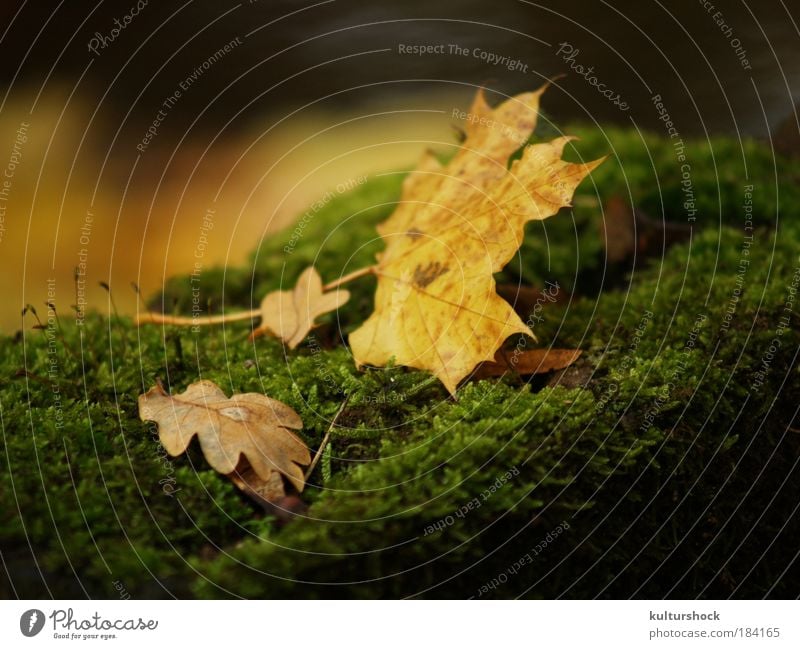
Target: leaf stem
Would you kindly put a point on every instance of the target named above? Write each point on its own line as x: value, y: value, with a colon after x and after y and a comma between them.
x: 190, y: 321
x: 163, y: 318
x: 344, y: 279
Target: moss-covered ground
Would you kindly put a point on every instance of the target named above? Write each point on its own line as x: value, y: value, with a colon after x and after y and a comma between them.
x: 663, y: 464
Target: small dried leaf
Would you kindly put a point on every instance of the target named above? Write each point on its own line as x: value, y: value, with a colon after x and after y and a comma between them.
x: 629, y: 233
x: 246, y: 436
x: 534, y: 361
x: 290, y: 315
x: 618, y: 230
x: 786, y: 137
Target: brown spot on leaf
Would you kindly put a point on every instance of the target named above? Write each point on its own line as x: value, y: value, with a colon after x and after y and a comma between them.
x: 424, y: 276
x: 414, y: 234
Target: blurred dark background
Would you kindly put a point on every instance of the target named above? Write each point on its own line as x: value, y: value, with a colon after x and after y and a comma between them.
x: 310, y: 94
x: 343, y: 53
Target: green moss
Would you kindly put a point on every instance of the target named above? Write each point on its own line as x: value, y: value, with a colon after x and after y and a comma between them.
x: 666, y: 452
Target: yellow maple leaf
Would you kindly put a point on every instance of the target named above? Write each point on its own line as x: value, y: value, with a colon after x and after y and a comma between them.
x: 436, y: 307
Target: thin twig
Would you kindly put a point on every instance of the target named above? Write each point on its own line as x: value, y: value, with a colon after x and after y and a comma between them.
x: 325, y: 440
x: 368, y: 270
x: 190, y: 321
x: 137, y: 289
x: 107, y: 287
x: 164, y: 318
x: 32, y: 309
x: 52, y: 307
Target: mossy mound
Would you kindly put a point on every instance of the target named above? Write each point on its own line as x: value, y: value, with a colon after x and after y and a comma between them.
x: 663, y: 464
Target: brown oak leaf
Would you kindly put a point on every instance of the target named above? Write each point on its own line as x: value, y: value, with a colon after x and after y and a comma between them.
x: 247, y: 436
